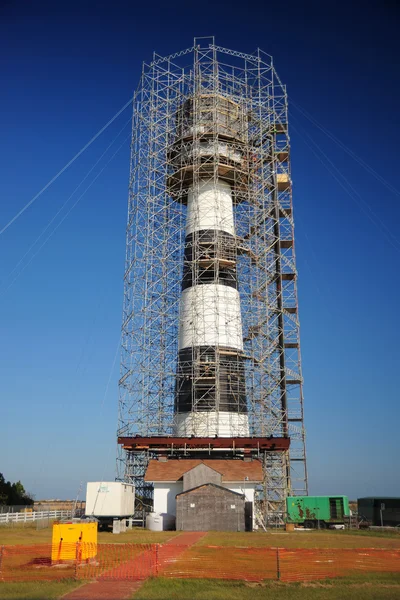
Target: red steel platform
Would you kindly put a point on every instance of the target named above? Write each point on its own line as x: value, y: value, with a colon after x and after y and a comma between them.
x: 208, y: 443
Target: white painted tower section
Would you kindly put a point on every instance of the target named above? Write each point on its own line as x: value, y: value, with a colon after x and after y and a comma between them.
x: 210, y: 424
x: 210, y: 316
x: 210, y: 208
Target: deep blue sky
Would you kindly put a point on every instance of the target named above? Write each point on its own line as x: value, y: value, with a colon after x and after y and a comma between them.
x: 66, y: 68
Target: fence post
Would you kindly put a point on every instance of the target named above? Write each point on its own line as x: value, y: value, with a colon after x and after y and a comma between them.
x: 157, y: 558
x: 1, y: 562
x: 278, y: 565
x: 77, y: 555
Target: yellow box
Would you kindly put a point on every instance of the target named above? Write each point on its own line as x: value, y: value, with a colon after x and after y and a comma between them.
x: 67, y: 536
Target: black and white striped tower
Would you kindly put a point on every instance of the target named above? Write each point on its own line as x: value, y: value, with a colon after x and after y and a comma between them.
x: 208, y: 153
x: 210, y: 215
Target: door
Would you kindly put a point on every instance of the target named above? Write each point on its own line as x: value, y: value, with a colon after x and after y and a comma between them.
x: 336, y: 509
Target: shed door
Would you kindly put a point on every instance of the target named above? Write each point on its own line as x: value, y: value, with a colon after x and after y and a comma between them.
x: 248, y: 516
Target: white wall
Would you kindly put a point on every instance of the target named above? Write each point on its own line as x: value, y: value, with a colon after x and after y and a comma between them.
x: 239, y: 488
x: 247, y: 489
x: 110, y: 499
x: 164, y: 496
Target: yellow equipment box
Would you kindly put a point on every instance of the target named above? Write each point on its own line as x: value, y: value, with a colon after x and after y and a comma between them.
x: 73, y: 540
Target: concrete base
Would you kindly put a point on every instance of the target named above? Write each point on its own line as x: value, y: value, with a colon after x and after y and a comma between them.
x: 119, y: 525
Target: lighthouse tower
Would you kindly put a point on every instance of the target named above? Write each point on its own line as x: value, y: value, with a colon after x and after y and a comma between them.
x: 210, y: 360
x: 210, y: 391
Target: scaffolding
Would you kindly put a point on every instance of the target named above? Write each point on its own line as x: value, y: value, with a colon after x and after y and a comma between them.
x: 212, y: 116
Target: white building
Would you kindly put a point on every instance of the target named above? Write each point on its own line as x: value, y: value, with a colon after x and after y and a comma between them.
x: 173, y: 476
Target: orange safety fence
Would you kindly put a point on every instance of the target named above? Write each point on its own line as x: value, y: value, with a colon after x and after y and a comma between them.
x: 77, y: 561
x: 215, y: 562
x: 139, y: 561
x: 258, y: 564
x: 323, y: 563
x: 30, y: 563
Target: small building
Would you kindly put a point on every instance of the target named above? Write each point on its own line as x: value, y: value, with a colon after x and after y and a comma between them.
x: 371, y: 508
x: 174, y: 476
x: 212, y: 507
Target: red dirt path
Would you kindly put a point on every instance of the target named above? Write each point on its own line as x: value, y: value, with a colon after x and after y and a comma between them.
x: 103, y: 589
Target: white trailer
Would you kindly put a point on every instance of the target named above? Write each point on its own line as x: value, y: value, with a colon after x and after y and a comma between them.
x: 109, y: 500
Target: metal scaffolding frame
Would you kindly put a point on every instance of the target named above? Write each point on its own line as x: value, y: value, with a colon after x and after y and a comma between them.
x: 254, y: 158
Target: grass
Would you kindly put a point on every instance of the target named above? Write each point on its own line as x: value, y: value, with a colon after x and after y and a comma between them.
x: 370, y: 587
x: 364, y: 586
x: 299, y: 539
x: 24, y: 535
x: 314, y: 539
x: 137, y: 536
x: 38, y: 590
x: 394, y: 533
x: 29, y: 535
x: 383, y: 587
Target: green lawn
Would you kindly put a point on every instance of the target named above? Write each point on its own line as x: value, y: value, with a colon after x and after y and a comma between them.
x: 363, y: 587
x: 36, y: 591
x: 29, y: 535
x: 386, y: 587
x: 137, y: 536
x: 300, y: 539
x: 24, y: 535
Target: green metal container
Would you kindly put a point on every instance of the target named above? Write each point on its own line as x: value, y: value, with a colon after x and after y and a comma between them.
x: 313, y: 509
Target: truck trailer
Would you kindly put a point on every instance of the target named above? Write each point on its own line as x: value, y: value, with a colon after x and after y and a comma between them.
x: 108, y: 501
x: 379, y: 510
x: 317, y: 511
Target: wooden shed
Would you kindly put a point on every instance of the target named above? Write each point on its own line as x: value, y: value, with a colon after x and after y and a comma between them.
x: 212, y: 507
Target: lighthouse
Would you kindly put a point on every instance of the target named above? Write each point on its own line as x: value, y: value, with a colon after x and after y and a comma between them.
x: 211, y: 383
x: 209, y: 165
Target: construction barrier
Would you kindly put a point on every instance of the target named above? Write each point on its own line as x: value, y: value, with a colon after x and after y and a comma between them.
x: 139, y: 561
x: 258, y: 564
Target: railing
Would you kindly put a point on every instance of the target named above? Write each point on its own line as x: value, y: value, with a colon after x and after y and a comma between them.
x: 29, y: 517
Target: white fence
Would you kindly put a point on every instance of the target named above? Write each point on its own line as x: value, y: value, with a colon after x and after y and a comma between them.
x: 29, y: 517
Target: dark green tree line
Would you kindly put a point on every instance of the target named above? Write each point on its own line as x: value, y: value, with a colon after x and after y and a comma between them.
x: 13, y: 493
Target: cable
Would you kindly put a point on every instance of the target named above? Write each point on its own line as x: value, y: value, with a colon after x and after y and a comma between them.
x: 343, y: 146
x: 101, y: 409
x: 355, y: 196
x: 38, y: 475
x: 111, y: 372
x: 100, y: 414
x: 64, y: 217
x: 323, y: 295
x: 68, y: 199
x: 85, y: 147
